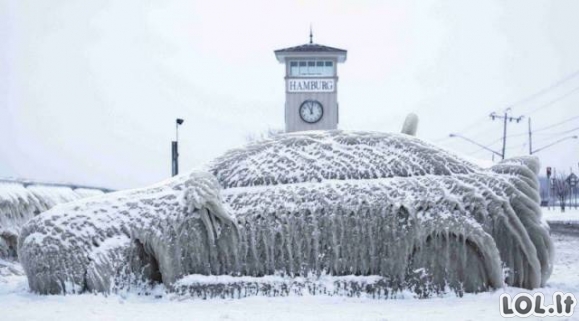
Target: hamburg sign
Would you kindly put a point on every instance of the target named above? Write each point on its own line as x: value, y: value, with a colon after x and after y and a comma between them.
x: 310, y: 85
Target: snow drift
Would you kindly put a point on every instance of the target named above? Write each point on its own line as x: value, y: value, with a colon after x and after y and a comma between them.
x: 371, y: 212
x: 19, y: 203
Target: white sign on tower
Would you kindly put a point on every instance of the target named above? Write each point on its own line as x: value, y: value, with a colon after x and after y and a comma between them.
x: 310, y: 85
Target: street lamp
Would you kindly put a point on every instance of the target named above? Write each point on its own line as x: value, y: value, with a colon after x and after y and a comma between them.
x: 175, y: 148
x: 556, y: 142
x: 478, y: 144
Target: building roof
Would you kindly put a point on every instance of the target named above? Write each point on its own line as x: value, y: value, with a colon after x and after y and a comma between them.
x: 308, y: 49
x: 311, y: 47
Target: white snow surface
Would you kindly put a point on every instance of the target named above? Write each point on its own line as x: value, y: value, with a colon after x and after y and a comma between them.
x: 18, y: 304
x: 554, y: 214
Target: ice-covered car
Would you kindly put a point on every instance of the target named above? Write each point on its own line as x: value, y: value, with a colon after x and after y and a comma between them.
x: 333, y: 212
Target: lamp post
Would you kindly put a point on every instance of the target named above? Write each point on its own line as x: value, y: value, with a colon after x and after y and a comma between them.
x: 479, y: 145
x: 175, y: 148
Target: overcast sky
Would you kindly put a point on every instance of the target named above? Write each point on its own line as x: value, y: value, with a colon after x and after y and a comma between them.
x: 89, y: 90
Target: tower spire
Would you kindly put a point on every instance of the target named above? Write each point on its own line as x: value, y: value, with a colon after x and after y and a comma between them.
x: 311, y: 34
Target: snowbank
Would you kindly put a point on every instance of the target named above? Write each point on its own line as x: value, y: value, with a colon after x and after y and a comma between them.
x: 317, y: 204
x: 83, y: 245
x: 19, y: 203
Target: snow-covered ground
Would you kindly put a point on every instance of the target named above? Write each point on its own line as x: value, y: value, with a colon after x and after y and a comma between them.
x: 554, y: 214
x: 16, y: 303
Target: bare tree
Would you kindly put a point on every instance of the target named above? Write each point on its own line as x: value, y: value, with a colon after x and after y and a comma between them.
x: 561, y: 190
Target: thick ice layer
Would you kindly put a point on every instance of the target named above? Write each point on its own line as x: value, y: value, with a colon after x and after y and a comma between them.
x: 449, y: 225
x: 18, y: 204
x: 83, y: 245
x: 316, y: 156
x: 366, y: 221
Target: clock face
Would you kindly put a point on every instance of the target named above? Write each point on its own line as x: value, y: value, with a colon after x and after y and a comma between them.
x: 311, y: 111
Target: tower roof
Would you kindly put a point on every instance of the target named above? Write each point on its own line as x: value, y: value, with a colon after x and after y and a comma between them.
x: 310, y: 49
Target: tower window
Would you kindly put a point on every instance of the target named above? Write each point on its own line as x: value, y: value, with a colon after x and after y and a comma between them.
x: 294, y: 69
x: 312, y: 68
x: 329, y: 68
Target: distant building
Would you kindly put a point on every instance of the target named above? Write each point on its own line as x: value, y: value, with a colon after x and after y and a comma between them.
x: 311, y: 81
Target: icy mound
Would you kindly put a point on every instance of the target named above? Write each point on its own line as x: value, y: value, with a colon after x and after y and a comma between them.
x: 316, y: 156
x: 83, y: 245
x: 386, y: 212
x: 18, y: 204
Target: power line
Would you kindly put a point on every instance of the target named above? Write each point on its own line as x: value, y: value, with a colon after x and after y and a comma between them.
x: 574, y: 90
x: 478, y: 144
x: 545, y: 90
x: 531, y: 151
x: 529, y: 98
x: 548, y: 134
x: 566, y: 132
x: 506, y: 119
x: 538, y: 131
x: 471, y: 126
x: 556, y: 124
x: 510, y: 118
x: 551, y: 144
x: 464, y: 130
x: 489, y: 145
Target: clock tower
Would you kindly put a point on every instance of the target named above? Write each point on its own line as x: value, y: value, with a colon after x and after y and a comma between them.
x: 311, y: 85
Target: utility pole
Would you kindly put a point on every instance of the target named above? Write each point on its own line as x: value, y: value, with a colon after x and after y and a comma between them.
x: 549, y: 187
x: 505, y: 117
x: 530, y: 138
